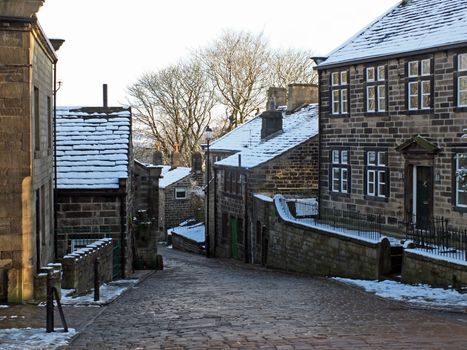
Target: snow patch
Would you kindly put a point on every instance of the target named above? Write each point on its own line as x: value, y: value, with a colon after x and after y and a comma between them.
x: 34, y: 338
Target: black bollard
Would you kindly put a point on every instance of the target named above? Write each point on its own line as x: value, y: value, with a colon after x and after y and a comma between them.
x: 96, y: 280
x: 50, y: 303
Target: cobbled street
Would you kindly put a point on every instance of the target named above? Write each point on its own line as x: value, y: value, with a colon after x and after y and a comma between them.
x: 198, y: 303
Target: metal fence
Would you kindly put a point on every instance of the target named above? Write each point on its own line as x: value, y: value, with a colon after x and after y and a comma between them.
x: 352, y: 222
x: 437, y: 237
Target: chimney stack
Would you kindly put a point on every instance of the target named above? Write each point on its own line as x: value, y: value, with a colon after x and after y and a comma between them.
x: 196, y: 163
x: 300, y: 94
x: 276, y: 97
x: 175, y: 158
x: 271, y: 123
x: 157, y: 155
x: 104, y: 93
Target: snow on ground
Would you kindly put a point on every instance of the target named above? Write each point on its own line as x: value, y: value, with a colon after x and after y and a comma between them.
x: 420, y: 294
x: 33, y: 338
x: 3, y: 306
x: 108, y: 292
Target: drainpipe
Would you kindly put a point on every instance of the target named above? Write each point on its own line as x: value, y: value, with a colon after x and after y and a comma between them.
x: 215, y: 212
x: 245, y: 220
x: 320, y: 129
x: 55, y: 194
x: 122, y: 195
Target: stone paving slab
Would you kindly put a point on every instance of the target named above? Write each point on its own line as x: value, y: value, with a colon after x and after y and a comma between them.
x: 199, y: 303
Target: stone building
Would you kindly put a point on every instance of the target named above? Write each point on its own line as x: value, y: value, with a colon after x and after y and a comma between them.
x: 94, y: 197
x: 275, y: 152
x: 145, y: 213
x: 27, y: 64
x: 180, y: 193
x: 393, y: 105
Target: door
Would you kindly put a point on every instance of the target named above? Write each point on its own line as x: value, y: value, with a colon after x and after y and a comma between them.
x: 423, y: 195
x: 233, y: 238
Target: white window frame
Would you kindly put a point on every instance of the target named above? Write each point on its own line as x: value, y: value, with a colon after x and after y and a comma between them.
x: 381, y: 184
x: 370, y: 69
x: 344, y: 180
x: 422, y: 72
x: 368, y: 99
x: 375, y: 171
x: 383, y: 69
x: 180, y: 190
x: 423, y: 94
x: 410, y: 74
x: 459, y: 91
x: 335, y: 82
x: 409, y: 95
x: 381, y: 97
x: 335, y: 171
x: 371, y: 182
x: 336, y: 103
x: 346, y: 80
x: 340, y: 171
x: 458, y: 187
x: 344, y: 102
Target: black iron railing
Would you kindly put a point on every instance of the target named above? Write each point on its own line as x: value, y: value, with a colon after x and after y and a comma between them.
x: 352, y: 222
x: 437, y: 237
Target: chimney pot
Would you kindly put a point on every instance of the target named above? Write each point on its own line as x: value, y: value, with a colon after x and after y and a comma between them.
x: 104, y: 91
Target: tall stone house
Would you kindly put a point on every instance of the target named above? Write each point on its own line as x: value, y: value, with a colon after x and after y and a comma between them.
x: 94, y: 196
x: 180, y: 193
x: 393, y: 105
x: 28, y: 62
x: 275, y: 152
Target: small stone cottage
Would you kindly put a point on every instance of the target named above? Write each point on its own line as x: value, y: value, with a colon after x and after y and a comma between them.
x: 180, y: 193
x: 94, y: 197
x: 276, y: 152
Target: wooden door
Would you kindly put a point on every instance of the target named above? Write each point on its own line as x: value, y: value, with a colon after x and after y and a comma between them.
x: 424, y: 196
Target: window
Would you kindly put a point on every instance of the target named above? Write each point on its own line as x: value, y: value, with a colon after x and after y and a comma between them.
x: 419, y: 85
x: 377, y: 174
x: 462, y: 80
x: 340, y: 171
x: 232, y: 182
x: 340, y: 93
x: 180, y: 193
x: 376, y: 89
x: 37, y: 124
x: 461, y: 179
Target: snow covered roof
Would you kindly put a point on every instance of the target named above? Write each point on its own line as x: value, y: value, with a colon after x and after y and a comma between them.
x: 193, y: 232
x: 297, y: 128
x: 92, y: 147
x: 170, y: 177
x: 413, y: 26
x: 238, y: 139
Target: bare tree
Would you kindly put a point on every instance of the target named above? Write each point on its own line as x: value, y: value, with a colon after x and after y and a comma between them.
x: 237, y: 63
x: 173, y: 107
x: 291, y: 66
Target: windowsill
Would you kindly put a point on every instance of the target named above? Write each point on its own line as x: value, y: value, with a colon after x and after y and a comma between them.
x: 376, y: 114
x: 460, y: 109
x: 376, y: 199
x: 339, y: 115
x: 419, y: 111
x: 339, y: 194
x: 460, y: 209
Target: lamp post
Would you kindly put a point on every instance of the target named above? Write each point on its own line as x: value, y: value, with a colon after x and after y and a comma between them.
x: 208, y: 136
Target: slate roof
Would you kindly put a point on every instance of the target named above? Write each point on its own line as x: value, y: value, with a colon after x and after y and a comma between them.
x: 170, y: 177
x: 414, y: 26
x: 92, y: 147
x: 297, y: 128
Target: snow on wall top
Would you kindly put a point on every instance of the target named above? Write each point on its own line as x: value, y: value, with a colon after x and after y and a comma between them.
x: 297, y: 128
x: 417, y: 25
x: 92, y: 147
x: 169, y: 177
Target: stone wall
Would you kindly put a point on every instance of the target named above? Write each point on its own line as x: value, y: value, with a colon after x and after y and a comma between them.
x: 187, y: 245
x: 442, y: 125
x: 78, y: 267
x: 298, y: 248
x: 94, y: 215
x: 418, y: 268
x: 25, y: 170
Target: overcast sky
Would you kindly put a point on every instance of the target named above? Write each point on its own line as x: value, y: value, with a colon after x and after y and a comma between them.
x: 115, y: 41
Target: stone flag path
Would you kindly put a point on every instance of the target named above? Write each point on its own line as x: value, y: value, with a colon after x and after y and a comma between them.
x: 199, y: 303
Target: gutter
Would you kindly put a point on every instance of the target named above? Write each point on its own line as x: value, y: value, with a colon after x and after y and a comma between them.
x: 324, y: 66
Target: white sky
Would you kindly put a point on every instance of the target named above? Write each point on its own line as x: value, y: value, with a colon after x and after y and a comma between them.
x: 115, y: 41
